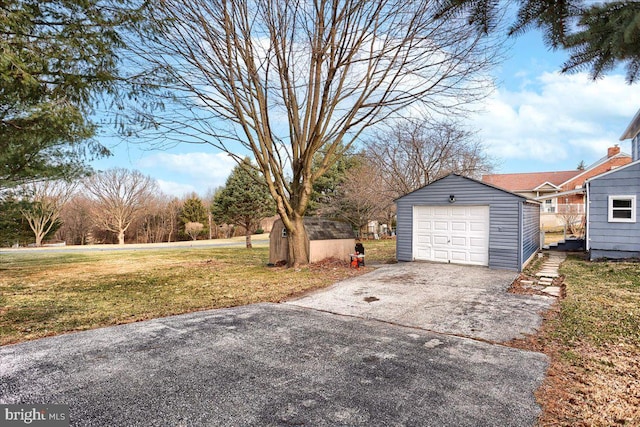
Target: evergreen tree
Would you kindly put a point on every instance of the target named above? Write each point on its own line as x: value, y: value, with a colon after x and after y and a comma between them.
x: 57, y: 57
x: 598, y: 35
x: 244, y: 201
x: 193, y: 211
x: 326, y: 187
x: 14, y: 228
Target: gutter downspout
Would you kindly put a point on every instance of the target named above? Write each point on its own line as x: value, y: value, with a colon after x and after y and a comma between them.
x: 587, y: 202
x: 521, y: 237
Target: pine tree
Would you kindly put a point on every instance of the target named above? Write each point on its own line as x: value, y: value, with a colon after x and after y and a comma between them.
x: 244, y: 201
x: 57, y: 57
x: 193, y: 211
x: 597, y: 35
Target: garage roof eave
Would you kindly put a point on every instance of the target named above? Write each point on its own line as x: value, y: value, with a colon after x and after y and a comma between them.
x: 523, y: 198
x: 633, y: 128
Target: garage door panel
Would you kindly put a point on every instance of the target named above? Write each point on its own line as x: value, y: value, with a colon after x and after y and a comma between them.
x: 439, y: 255
x: 423, y: 225
x: 457, y: 234
x: 476, y: 258
x: 440, y: 240
x: 476, y: 242
x: 440, y: 212
x: 458, y: 226
x: 459, y: 241
x: 477, y: 226
x: 425, y: 238
x: 441, y: 225
x: 476, y: 210
x: 423, y: 254
x: 458, y: 256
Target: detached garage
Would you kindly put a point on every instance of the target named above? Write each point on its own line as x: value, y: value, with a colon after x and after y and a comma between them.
x: 460, y: 220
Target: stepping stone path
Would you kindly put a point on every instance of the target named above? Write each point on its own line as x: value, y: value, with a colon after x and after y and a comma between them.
x: 549, y: 271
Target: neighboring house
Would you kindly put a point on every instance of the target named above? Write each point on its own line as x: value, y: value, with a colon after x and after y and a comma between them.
x: 460, y: 220
x: 561, y: 193
x: 613, y: 227
x: 325, y: 239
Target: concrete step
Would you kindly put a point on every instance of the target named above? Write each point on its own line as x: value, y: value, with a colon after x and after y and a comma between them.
x: 552, y: 290
x: 547, y: 274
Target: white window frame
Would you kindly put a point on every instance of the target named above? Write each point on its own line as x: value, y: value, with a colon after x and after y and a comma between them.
x: 632, y: 208
x: 550, y: 205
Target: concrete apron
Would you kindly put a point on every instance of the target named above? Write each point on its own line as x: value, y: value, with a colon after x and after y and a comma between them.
x: 451, y: 299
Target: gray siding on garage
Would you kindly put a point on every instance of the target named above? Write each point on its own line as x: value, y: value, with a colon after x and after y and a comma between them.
x: 613, y: 239
x: 504, y: 216
x: 530, y: 230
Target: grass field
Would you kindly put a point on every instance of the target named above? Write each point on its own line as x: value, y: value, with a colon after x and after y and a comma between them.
x: 594, y: 343
x: 46, y: 293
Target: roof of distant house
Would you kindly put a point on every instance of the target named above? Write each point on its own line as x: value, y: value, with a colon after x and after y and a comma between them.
x: 529, y: 181
x: 520, y: 182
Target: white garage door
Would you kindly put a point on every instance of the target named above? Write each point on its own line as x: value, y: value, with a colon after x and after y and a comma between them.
x: 458, y: 234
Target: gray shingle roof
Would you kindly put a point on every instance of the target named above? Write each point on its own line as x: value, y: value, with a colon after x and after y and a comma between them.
x: 324, y: 229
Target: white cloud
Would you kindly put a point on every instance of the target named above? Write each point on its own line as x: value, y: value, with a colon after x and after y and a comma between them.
x: 174, y: 188
x: 198, y: 164
x: 557, y: 119
x: 187, y: 172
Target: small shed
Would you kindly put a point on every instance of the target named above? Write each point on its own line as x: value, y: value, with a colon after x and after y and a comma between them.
x: 613, y: 227
x: 461, y: 220
x: 325, y: 239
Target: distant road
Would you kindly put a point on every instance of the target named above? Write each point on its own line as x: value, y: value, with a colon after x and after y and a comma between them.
x: 235, y: 242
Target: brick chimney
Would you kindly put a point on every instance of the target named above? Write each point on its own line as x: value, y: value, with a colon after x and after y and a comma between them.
x: 612, y: 151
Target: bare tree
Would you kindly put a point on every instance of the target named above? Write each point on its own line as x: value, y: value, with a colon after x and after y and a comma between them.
x: 285, y: 79
x: 193, y: 229
x: 47, y: 200
x: 158, y: 222
x: 120, y: 197
x: 76, y: 220
x: 173, y: 215
x: 414, y: 152
x: 359, y: 195
x: 573, y: 219
x: 360, y: 199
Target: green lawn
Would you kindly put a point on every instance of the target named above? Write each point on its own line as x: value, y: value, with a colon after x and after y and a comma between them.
x: 46, y: 293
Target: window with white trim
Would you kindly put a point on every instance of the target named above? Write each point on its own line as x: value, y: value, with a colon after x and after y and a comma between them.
x: 622, y: 208
x: 550, y: 205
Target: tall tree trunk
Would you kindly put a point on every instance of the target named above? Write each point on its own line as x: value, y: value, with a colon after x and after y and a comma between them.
x: 297, y: 236
x: 248, y: 238
x: 121, y: 237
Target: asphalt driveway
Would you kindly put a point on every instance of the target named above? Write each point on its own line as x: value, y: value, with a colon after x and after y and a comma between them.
x: 275, y: 365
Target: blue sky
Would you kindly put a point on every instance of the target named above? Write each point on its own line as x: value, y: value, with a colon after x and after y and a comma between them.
x: 536, y: 119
